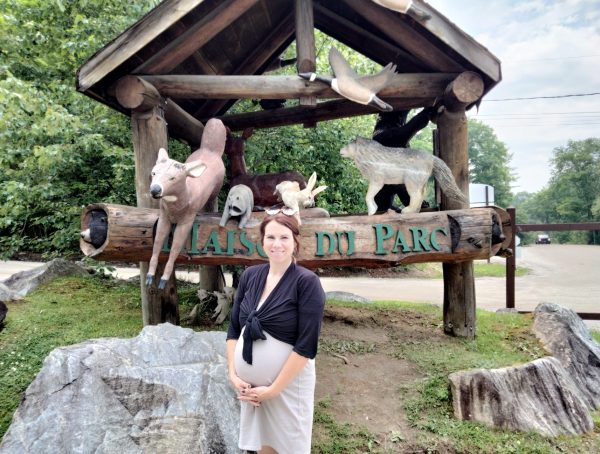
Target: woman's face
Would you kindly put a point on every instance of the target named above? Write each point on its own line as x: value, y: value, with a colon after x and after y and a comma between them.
x: 278, y: 243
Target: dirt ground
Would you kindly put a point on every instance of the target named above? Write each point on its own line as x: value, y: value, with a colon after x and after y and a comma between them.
x: 366, y: 388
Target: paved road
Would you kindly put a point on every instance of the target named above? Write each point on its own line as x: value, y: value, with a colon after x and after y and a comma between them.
x: 564, y: 274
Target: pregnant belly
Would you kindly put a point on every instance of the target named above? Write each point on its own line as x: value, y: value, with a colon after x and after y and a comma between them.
x: 268, y: 357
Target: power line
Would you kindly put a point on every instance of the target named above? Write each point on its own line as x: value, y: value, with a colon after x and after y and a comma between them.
x: 546, y: 97
x: 540, y: 113
x: 546, y: 120
x: 552, y: 58
x: 545, y: 125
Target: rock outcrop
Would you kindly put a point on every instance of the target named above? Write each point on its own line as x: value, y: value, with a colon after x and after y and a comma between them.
x: 552, y: 395
x: 566, y: 337
x: 538, y: 396
x: 347, y: 297
x: 7, y: 294
x: 23, y: 282
x: 164, y: 391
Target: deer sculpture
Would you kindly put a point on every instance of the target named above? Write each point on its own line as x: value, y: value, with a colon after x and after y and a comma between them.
x: 183, y: 189
x: 262, y: 185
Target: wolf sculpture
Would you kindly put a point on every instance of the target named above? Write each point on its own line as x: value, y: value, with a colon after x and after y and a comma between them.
x: 383, y: 165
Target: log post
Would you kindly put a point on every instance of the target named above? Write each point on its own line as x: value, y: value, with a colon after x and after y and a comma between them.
x: 459, y: 280
x: 211, y: 276
x: 149, y: 130
x: 305, y: 44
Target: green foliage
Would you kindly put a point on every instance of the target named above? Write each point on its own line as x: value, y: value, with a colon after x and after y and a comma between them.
x: 572, y: 194
x: 60, y: 150
x: 489, y: 161
x: 310, y: 150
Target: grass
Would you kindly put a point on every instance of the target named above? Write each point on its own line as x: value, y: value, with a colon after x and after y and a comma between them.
x: 502, y: 340
x: 336, y: 438
x: 481, y: 268
x: 71, y: 310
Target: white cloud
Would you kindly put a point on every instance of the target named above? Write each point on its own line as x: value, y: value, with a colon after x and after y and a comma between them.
x: 547, y: 48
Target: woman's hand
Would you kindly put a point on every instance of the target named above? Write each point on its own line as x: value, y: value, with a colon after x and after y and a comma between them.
x: 257, y: 395
x: 238, y: 383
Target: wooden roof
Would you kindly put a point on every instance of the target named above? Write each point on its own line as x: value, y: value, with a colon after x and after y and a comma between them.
x: 244, y: 37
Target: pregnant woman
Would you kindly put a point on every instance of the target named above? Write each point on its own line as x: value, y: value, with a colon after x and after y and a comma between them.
x: 272, y: 342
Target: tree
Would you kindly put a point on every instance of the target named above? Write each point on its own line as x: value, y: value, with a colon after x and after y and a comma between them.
x: 489, y: 161
x: 572, y: 193
x: 60, y: 150
x: 575, y: 183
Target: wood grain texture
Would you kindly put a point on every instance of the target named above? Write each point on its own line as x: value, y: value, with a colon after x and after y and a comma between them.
x: 459, y: 280
x: 195, y: 37
x: 372, y: 241
x: 329, y: 110
x: 150, y: 134
x: 289, y: 87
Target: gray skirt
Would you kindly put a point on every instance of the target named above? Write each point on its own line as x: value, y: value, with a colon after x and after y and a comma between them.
x: 283, y: 422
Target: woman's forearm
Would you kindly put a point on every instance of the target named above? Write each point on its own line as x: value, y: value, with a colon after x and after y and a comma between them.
x: 292, y: 367
x: 231, y: 343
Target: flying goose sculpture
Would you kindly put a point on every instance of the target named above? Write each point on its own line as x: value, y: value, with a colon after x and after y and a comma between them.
x: 350, y: 85
x: 403, y: 6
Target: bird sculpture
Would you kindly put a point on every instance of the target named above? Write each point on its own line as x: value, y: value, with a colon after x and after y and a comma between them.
x: 404, y: 6
x: 360, y: 89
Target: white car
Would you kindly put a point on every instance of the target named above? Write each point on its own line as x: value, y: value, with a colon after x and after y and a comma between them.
x: 542, y: 239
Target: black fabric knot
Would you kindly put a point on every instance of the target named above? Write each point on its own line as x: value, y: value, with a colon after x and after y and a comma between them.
x: 252, y: 332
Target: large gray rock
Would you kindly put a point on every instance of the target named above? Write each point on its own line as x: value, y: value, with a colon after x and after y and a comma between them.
x: 567, y: 338
x: 7, y: 294
x: 23, y: 282
x: 347, y: 297
x: 538, y: 396
x: 164, y: 391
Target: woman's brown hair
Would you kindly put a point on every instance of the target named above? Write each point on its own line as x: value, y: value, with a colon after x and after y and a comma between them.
x: 287, y: 221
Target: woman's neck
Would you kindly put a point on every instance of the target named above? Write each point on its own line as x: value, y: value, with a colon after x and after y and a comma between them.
x: 278, y: 269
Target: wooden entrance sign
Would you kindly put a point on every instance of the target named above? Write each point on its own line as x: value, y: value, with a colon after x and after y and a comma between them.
x: 363, y: 241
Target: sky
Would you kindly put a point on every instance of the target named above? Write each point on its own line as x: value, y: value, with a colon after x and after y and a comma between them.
x: 546, y: 48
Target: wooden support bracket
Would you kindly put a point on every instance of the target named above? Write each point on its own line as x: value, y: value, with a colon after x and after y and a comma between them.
x: 139, y: 95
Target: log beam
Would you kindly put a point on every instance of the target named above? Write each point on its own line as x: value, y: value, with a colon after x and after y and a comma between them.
x: 423, y: 85
x: 374, y: 241
x: 138, y: 95
x: 463, y: 91
x: 329, y: 110
x: 305, y: 43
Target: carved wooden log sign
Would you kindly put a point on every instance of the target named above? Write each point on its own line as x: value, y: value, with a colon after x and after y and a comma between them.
x: 370, y: 241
